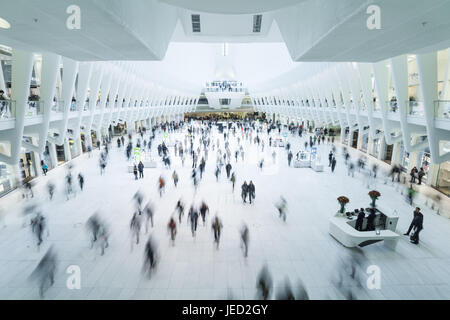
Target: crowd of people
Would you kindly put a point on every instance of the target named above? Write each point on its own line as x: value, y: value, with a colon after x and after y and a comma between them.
x: 198, y: 142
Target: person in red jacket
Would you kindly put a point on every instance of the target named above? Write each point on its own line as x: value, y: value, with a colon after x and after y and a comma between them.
x: 172, y: 227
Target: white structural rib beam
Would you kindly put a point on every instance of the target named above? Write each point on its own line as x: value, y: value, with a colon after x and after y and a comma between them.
x: 348, y: 94
x: 22, y: 65
x: 84, y: 77
x: 68, y: 87
x: 95, y: 83
x: 427, y: 67
x: 399, y: 66
x: 49, y: 72
x: 380, y: 72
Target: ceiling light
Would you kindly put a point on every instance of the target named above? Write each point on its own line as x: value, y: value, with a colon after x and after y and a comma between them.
x: 4, y: 24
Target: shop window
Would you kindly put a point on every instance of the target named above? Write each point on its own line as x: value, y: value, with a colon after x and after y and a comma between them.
x: 443, y: 180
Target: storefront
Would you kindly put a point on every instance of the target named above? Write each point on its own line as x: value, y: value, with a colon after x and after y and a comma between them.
x: 355, y: 139
x: 27, y: 163
x: 404, y: 158
x: 119, y: 130
x: 425, y: 160
x: 376, y: 147
x: 83, y: 143
x: 60, y: 155
x: 74, y: 152
x: 443, y: 180
x: 346, y: 135
x: 46, y: 157
x: 365, y: 142
x: 388, y: 154
x: 94, y: 138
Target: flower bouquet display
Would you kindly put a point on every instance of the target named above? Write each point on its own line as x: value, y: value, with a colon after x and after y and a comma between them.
x: 374, y: 195
x: 343, y: 201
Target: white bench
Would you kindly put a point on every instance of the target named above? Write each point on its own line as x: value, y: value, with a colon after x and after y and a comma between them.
x: 342, y: 231
x: 302, y: 163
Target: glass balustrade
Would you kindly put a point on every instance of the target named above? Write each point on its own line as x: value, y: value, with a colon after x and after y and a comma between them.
x: 392, y: 106
x: 362, y: 106
x: 415, y: 108
x: 73, y: 106
x: 376, y: 106
x: 57, y: 106
x: 442, y: 109
x: 7, y: 109
x: 34, y: 108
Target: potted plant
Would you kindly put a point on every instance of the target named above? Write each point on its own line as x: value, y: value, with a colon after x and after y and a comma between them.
x: 374, y: 196
x: 343, y: 201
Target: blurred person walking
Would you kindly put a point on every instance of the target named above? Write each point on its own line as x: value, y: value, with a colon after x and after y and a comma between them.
x: 217, y: 227
x: 172, y: 227
x: 45, y: 271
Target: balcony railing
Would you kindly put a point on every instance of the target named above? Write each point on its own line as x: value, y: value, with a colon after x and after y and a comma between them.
x: 7, y: 109
x: 74, y: 106
x: 362, y: 106
x: 442, y: 109
x: 34, y: 108
x: 392, y: 106
x: 415, y: 108
x: 376, y: 106
x: 57, y: 106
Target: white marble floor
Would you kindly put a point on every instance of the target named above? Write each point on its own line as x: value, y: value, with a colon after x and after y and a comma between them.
x: 301, y: 248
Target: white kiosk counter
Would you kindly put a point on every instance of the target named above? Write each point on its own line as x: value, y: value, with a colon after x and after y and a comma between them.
x: 303, y: 160
x: 343, y: 230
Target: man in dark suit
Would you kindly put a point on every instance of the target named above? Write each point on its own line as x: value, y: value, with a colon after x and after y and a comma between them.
x: 418, y: 226
x: 371, y: 220
x: 359, y: 219
x: 415, y: 214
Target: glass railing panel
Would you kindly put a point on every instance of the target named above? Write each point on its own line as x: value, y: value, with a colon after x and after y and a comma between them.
x: 362, y: 106
x: 34, y: 108
x: 57, y: 106
x: 7, y: 109
x: 415, y: 108
x: 392, y: 106
x: 73, y: 106
x: 376, y: 106
x: 442, y: 109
